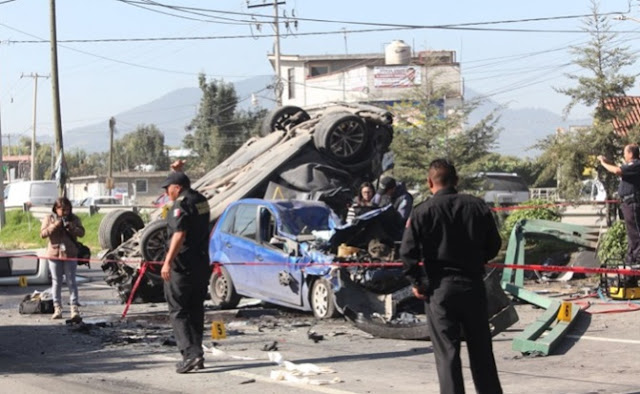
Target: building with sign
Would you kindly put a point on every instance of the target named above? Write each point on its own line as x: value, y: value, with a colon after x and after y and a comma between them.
x: 375, y: 77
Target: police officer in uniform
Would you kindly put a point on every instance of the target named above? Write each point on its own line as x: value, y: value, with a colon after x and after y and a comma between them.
x: 629, y: 192
x: 454, y: 235
x: 186, y: 268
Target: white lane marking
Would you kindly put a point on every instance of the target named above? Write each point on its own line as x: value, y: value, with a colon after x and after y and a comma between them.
x: 633, y: 341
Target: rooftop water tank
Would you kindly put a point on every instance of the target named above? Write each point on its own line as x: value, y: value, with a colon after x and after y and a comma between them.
x: 397, y: 53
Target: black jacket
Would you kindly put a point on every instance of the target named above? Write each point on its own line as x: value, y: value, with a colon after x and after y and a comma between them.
x: 450, y: 232
x: 190, y: 213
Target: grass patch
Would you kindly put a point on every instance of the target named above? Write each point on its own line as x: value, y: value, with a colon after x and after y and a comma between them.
x: 22, y: 231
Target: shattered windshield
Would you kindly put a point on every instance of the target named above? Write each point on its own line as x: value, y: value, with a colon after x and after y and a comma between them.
x: 307, y: 219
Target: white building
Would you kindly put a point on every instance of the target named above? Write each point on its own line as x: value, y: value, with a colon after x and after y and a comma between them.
x: 376, y: 77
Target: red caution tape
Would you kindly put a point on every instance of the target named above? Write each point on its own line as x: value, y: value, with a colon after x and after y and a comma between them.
x: 555, y: 268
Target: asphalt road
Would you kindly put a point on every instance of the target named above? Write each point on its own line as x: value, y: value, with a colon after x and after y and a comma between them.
x: 38, y: 355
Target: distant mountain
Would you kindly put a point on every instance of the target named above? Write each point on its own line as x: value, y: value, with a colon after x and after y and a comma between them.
x: 522, y: 128
x: 170, y: 113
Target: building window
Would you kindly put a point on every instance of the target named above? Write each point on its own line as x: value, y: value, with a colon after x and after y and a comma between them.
x: 314, y: 71
x: 141, y: 186
x: 291, y: 81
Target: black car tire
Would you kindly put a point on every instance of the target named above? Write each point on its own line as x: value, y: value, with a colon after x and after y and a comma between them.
x: 321, y: 299
x: 280, y: 118
x: 222, y: 291
x: 117, y: 227
x: 342, y: 136
x: 153, y: 243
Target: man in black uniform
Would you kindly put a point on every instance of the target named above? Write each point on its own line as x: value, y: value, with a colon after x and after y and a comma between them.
x: 454, y: 235
x: 186, y: 268
x: 629, y: 192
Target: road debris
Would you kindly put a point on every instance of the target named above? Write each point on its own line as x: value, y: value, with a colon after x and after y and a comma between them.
x: 299, y: 373
x: 315, y: 337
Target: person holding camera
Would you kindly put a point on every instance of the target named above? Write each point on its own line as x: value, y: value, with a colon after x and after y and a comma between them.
x: 62, y: 228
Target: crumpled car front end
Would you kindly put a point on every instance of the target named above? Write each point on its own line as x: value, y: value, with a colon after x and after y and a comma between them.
x: 370, y: 288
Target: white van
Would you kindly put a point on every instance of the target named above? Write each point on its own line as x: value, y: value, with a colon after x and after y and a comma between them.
x: 34, y: 193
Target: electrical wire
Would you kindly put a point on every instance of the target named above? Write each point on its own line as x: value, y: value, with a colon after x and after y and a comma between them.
x: 228, y: 21
x: 446, y: 26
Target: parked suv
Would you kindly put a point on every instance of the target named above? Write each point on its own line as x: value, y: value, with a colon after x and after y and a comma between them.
x: 504, y: 188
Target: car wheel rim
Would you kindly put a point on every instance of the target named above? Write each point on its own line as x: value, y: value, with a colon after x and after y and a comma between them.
x: 320, y: 296
x: 281, y: 121
x: 126, y: 231
x: 155, y: 248
x: 347, y: 138
x: 221, y: 287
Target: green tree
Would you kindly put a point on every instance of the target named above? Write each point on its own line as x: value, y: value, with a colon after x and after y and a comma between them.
x: 218, y: 129
x: 424, y: 132
x: 602, y: 61
x: 80, y: 163
x: 144, y: 146
x: 528, y: 169
x: 44, y: 157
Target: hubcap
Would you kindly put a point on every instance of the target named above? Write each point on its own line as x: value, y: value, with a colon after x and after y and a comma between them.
x: 320, y: 299
x: 221, y: 287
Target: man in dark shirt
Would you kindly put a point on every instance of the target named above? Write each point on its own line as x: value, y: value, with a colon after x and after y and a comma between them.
x: 395, y: 193
x: 629, y: 192
x: 186, y: 268
x: 454, y: 235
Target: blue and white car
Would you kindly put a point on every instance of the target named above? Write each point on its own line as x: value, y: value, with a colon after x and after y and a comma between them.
x: 264, y: 249
x: 297, y: 254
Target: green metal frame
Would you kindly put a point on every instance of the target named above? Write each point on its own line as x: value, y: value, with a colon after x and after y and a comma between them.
x: 546, y: 332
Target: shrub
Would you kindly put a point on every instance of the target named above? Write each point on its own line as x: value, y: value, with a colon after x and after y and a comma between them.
x: 613, y: 245
x: 540, y: 209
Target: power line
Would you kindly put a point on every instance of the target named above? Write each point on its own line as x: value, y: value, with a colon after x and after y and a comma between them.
x: 229, y: 21
x: 446, y: 26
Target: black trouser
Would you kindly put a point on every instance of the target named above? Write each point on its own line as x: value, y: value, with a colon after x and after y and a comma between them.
x: 631, y: 221
x: 461, y: 302
x: 185, y: 293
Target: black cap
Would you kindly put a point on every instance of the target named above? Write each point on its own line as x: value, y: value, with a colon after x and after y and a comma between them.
x: 387, y: 183
x: 176, y: 178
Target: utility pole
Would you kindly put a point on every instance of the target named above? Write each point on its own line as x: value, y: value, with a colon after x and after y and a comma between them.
x: 57, y: 121
x: 279, y: 84
x: 33, y: 132
x: 2, y: 218
x: 112, y: 128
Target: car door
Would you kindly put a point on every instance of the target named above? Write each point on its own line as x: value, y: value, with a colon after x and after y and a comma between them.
x: 238, y: 241
x: 279, y: 276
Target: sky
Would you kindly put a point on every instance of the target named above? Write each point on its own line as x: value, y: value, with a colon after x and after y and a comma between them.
x: 114, y: 55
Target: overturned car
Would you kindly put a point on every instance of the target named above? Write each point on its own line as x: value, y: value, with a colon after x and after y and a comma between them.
x: 279, y: 200
x: 321, y: 153
x: 297, y: 254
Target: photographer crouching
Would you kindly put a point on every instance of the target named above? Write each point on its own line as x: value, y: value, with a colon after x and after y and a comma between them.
x: 62, y: 228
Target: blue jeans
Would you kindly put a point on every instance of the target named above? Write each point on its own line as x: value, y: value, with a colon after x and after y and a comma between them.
x: 57, y: 268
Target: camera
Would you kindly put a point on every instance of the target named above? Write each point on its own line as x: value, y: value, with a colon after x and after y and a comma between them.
x: 65, y: 221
